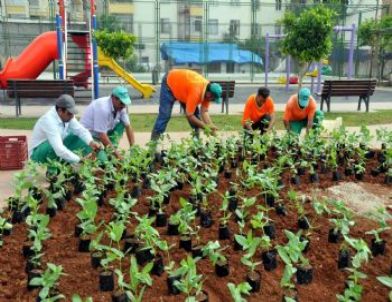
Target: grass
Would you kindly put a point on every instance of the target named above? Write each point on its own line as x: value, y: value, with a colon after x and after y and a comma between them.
x: 145, y: 122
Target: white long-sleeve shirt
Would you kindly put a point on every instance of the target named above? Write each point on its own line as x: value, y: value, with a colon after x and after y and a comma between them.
x: 101, y: 117
x: 50, y: 127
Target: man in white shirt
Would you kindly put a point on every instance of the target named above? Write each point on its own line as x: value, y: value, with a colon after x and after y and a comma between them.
x: 57, y: 134
x: 106, y: 118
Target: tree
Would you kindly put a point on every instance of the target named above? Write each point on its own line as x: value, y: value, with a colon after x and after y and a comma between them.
x: 308, y: 37
x: 378, y: 35
x: 116, y: 44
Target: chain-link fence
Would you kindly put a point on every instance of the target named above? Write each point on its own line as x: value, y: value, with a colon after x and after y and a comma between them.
x: 221, y: 39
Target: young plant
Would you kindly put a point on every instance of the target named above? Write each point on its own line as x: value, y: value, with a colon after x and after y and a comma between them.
x: 382, y: 216
x: 49, y: 281
x: 77, y: 298
x: 138, y: 280
x: 238, y: 291
x: 387, y: 281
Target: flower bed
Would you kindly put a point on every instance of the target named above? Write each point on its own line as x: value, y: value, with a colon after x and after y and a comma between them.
x: 238, y: 214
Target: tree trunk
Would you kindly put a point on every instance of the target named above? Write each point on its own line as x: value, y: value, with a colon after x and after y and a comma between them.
x: 303, y: 68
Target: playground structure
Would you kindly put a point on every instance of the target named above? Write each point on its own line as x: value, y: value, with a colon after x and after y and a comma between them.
x: 75, y: 49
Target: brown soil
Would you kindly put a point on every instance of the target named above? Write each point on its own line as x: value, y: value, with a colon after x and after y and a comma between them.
x: 81, y: 278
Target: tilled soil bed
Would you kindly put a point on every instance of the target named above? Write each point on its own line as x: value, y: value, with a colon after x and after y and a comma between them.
x: 82, y: 278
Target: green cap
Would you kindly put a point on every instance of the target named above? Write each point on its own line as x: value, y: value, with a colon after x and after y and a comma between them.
x: 303, y: 97
x: 121, y: 93
x: 216, y: 90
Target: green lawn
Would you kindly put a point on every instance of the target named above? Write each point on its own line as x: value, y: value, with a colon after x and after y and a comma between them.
x: 145, y: 122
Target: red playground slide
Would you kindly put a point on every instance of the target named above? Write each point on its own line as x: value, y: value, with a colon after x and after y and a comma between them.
x: 34, y: 59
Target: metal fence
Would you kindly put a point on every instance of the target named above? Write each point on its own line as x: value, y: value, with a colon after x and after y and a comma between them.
x: 240, y: 25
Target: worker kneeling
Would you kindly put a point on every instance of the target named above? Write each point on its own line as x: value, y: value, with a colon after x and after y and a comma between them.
x: 57, y: 134
x: 301, y: 111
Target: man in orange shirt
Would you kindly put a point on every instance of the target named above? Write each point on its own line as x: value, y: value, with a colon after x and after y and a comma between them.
x: 301, y: 111
x: 259, y: 112
x: 191, y: 90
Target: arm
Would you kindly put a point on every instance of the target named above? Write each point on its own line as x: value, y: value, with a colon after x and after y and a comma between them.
x: 272, y: 122
x: 286, y: 125
x: 83, y: 134
x: 130, y: 135
x: 246, y: 120
x: 56, y: 142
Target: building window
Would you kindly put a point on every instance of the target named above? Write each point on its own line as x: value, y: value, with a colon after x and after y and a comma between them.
x: 230, y: 67
x: 256, y: 30
x: 278, y: 29
x: 234, y: 28
x: 34, y: 2
x: 214, y: 67
x: 126, y: 22
x: 278, y: 4
x: 196, y: 24
x: 213, y: 26
x: 165, y: 25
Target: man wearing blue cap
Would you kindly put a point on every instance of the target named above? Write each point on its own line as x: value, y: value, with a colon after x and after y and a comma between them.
x: 191, y: 90
x: 301, y: 111
x: 107, y: 118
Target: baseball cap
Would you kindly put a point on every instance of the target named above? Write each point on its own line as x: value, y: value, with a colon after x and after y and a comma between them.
x: 121, y: 93
x: 66, y: 101
x: 303, y: 97
x: 216, y: 90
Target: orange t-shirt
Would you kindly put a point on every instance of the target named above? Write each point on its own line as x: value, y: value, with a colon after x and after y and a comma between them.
x: 188, y: 87
x: 254, y: 113
x: 294, y: 113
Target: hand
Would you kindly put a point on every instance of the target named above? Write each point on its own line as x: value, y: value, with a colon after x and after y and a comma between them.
x: 95, y: 146
x: 118, y: 155
x: 214, y: 129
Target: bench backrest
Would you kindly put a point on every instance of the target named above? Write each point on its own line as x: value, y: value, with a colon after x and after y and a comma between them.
x: 40, y: 88
x: 227, y: 88
x: 349, y: 87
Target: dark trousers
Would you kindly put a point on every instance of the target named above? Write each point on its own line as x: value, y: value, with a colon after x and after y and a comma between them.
x: 261, y: 125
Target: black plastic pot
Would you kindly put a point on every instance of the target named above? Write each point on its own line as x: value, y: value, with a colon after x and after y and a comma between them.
x: 78, y: 230
x: 79, y: 187
x: 307, y: 239
x: 377, y: 247
x: 84, y: 244
x: 161, y: 219
x: 301, y: 171
x: 348, y: 171
x: 101, y: 199
x: 206, y: 219
x: 158, y: 267
x: 280, y: 209
x: 144, y: 255
x: 269, y: 260
x: 51, y: 211
x: 30, y: 266
x: 270, y: 200
x: 173, y: 290
x: 254, y: 280
x: 388, y: 179
x: 60, y: 203
x: 17, y: 217
x: 30, y: 276
x: 336, y: 176
x: 370, y: 154
x: 233, y: 203
x: 185, y: 243
x: 6, y: 232
x: 270, y: 230
x: 197, y: 251
x: 295, y: 180
x: 224, y: 232
x: 172, y: 229
x: 222, y: 268
x: 375, y: 172
x: 131, y: 245
x: 343, y: 259
x: 313, y: 177
x: 237, y: 246
x: 152, y: 211
x: 26, y: 250
x: 304, y: 275
x: 303, y: 223
x: 120, y: 296
x: 106, y: 281
x: 166, y: 199
x: 227, y: 174
x: 146, y: 183
x: 234, y: 163
x: 359, y: 176
x: 334, y: 236
x: 96, y: 259
x: 136, y: 191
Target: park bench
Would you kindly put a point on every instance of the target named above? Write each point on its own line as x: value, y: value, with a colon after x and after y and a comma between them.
x: 227, y: 93
x: 361, y: 88
x: 23, y: 88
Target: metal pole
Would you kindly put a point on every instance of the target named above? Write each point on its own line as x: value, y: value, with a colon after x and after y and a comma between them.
x: 288, y: 71
x: 95, y: 59
x: 319, y: 77
x: 60, y: 47
x: 266, y: 63
x: 351, y: 53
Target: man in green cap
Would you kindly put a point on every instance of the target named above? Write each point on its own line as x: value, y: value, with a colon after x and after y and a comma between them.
x: 107, y: 118
x: 57, y: 135
x: 191, y: 90
x: 301, y: 111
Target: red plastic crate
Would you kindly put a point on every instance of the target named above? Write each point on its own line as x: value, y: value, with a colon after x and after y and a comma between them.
x: 13, y: 152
